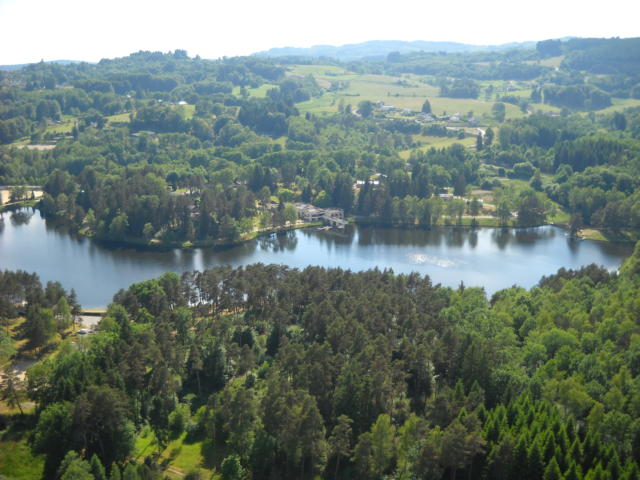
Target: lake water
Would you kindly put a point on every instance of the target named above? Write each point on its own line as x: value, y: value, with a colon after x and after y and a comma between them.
x: 492, y: 258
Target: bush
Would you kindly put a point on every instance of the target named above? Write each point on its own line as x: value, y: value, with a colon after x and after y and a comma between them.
x: 523, y: 170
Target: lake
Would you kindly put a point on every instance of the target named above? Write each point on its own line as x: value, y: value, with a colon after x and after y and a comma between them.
x: 492, y: 258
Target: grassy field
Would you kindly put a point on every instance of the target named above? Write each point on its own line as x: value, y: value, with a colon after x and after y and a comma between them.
x: 258, y: 92
x: 407, y: 92
x: 620, y: 104
x: 436, y: 142
x: 187, y: 111
x: 553, y: 62
x: 17, y: 462
x: 624, y: 236
x: 543, y: 107
x: 181, y: 456
x: 120, y: 118
x: 65, y: 126
x: 318, y: 70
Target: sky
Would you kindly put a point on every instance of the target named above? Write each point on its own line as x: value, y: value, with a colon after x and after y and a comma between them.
x: 34, y: 30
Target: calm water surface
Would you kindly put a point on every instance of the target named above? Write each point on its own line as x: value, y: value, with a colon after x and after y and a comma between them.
x: 492, y: 258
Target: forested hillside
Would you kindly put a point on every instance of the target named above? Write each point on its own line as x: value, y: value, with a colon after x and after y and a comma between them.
x: 270, y: 372
x: 166, y: 149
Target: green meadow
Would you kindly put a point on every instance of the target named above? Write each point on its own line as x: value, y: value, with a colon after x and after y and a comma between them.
x: 180, y: 456
x: 258, y: 92
x: 406, y: 92
x: 120, y: 118
x: 65, y: 126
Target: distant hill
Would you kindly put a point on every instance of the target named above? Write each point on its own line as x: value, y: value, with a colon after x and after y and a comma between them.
x: 381, y: 48
x: 613, y: 56
x: 9, y: 68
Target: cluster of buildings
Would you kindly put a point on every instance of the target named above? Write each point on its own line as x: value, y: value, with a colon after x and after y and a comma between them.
x: 422, y: 117
x: 333, y: 217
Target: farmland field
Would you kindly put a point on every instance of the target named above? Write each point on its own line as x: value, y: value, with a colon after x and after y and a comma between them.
x: 65, y: 125
x: 258, y: 92
x: 437, y: 142
x: 120, y: 118
x: 405, y: 92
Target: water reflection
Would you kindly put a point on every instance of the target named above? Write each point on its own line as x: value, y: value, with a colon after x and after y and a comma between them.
x: 278, y: 242
x: 456, y: 237
x: 529, y: 236
x: 573, y: 244
x: 448, y: 255
x: 20, y: 217
x: 473, y: 238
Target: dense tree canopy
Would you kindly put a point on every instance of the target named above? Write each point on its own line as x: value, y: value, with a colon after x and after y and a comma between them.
x: 295, y: 373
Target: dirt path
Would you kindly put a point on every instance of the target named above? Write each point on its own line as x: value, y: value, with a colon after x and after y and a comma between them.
x: 20, y: 367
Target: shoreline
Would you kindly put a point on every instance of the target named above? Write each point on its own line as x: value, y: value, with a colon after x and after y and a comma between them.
x: 141, y: 244
x: 593, y: 234
x: 8, y: 207
x: 603, y: 236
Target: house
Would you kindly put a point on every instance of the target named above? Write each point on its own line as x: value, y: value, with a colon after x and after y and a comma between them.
x: 331, y: 216
x: 334, y: 213
x: 308, y: 212
x: 361, y: 183
x: 425, y: 118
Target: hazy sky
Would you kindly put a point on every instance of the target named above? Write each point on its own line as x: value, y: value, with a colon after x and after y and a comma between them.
x: 31, y: 30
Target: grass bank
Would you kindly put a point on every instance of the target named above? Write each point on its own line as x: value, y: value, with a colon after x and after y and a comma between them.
x: 623, y: 236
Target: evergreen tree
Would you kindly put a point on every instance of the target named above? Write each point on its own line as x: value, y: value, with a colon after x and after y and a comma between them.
x: 552, y: 472
x: 535, y: 462
x: 115, y: 472
x: 574, y: 472
x: 340, y: 440
x: 97, y: 469
x: 130, y: 472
